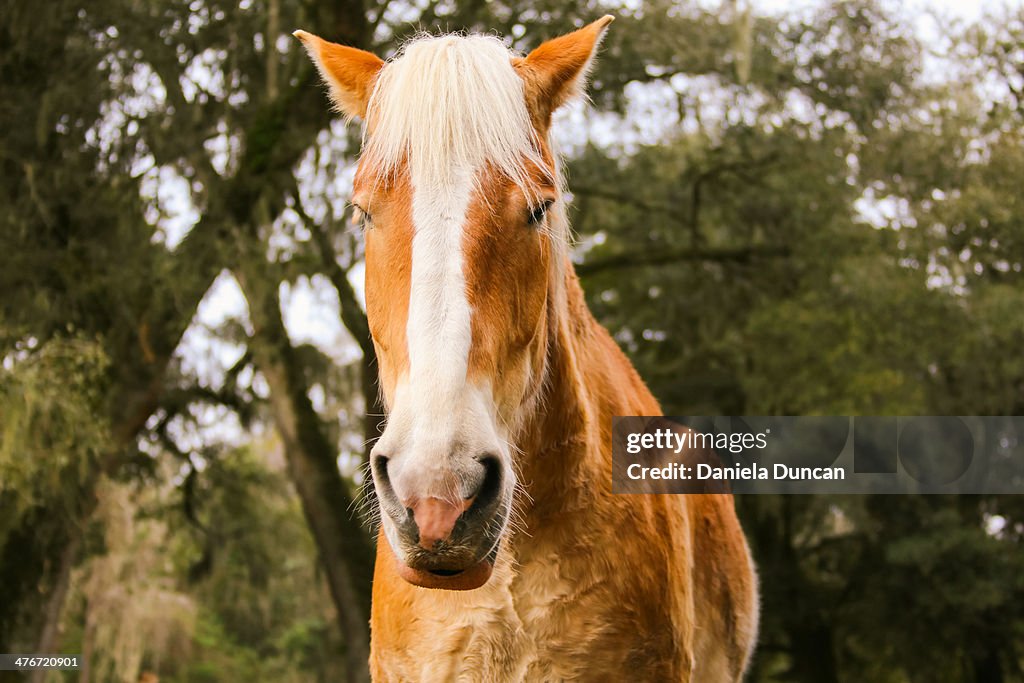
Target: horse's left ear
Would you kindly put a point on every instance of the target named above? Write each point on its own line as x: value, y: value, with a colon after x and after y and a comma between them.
x: 556, y: 71
x: 350, y: 72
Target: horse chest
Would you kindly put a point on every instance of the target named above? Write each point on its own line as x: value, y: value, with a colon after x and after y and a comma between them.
x: 550, y: 621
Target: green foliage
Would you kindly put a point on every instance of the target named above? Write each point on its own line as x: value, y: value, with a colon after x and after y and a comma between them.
x: 246, y: 556
x: 53, y: 431
x: 54, y: 435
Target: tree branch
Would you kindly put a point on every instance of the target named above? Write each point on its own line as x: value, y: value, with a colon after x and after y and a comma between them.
x: 668, y: 257
x: 352, y: 315
x: 630, y: 200
x: 354, y: 319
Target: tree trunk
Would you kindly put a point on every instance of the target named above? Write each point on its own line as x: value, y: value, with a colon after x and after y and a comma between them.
x: 345, y: 548
x: 354, y: 319
x: 48, y: 640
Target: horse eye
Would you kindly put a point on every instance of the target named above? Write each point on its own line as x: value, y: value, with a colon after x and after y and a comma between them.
x: 538, y: 213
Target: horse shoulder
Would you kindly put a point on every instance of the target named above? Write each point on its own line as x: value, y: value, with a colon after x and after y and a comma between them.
x: 726, y: 589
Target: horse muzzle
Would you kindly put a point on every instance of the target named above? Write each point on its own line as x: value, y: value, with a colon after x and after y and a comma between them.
x: 439, y: 542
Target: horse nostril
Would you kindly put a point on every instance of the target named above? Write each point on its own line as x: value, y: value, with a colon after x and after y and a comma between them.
x: 379, y: 468
x: 488, y: 492
x: 382, y: 482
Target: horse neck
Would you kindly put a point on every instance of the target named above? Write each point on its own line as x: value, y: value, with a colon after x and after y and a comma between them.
x: 588, y: 380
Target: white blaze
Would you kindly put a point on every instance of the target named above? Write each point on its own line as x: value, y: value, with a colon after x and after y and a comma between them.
x: 438, y: 417
x: 439, y: 326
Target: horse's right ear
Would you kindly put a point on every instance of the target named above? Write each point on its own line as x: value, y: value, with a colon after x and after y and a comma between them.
x: 350, y: 72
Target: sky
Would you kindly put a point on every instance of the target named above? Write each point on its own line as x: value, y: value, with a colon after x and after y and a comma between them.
x: 966, y: 9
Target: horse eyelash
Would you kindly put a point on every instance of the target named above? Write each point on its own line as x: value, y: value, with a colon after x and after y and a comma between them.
x: 361, y: 217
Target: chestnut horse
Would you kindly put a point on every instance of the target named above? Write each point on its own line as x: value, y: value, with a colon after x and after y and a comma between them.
x: 503, y: 554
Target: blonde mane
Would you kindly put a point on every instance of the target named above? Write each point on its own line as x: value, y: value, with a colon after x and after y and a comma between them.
x: 451, y: 102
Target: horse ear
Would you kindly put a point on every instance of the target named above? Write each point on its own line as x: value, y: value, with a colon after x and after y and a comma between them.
x: 349, y: 72
x: 556, y: 71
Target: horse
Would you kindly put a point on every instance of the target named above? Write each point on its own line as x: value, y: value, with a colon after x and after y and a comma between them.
x: 502, y: 554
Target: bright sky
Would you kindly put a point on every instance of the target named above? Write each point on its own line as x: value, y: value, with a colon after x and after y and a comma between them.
x: 958, y: 8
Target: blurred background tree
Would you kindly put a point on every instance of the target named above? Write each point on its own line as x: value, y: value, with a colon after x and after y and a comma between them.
x: 812, y: 212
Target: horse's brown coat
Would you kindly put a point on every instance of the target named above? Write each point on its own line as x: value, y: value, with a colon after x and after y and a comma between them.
x: 591, y: 586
